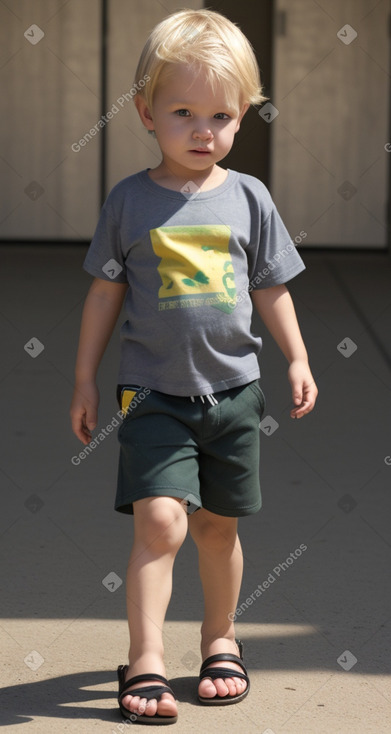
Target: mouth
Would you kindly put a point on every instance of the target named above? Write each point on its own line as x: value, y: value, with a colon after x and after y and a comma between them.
x: 200, y: 151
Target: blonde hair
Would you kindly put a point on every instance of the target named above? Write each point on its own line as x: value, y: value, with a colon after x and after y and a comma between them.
x: 207, y: 40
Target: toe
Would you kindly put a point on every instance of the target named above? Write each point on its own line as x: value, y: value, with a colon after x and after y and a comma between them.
x: 223, y: 687
x: 207, y: 688
x: 167, y: 705
x: 150, y: 707
x: 131, y: 703
x: 239, y: 686
x: 141, y: 706
x: 230, y: 684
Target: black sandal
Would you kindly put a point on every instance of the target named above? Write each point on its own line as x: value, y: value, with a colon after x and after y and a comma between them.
x: 148, y: 692
x: 214, y: 673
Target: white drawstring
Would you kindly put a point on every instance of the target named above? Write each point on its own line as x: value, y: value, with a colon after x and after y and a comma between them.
x: 212, y: 399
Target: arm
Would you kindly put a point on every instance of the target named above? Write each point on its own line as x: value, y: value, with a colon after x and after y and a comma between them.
x: 101, y: 310
x: 276, y: 309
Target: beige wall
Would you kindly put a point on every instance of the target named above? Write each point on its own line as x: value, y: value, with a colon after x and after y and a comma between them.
x: 333, y: 102
x: 130, y: 148
x: 333, y: 122
x: 51, y: 91
x: 50, y: 95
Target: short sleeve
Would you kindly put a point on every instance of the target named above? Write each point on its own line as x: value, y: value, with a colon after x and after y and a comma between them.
x: 275, y: 259
x: 104, y: 258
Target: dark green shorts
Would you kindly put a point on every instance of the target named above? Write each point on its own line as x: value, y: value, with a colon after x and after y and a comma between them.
x: 205, y: 454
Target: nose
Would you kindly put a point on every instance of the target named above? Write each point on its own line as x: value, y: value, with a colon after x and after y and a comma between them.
x: 202, y: 132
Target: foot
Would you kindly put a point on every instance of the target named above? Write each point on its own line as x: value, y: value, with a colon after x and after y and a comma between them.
x: 166, y: 706
x: 221, y: 687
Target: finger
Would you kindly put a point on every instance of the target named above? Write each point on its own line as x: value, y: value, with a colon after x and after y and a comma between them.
x: 305, y: 404
x: 79, y: 428
x: 91, y: 419
x: 302, y: 409
x: 297, y: 394
x: 298, y: 403
x: 77, y: 425
x: 86, y: 434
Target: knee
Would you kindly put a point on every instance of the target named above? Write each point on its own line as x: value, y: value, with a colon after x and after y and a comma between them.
x: 214, y: 537
x: 161, y: 523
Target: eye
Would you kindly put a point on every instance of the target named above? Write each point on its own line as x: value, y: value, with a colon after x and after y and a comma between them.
x: 182, y: 113
x: 221, y: 116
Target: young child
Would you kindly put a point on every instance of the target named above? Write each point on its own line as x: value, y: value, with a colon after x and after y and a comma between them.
x: 193, y: 247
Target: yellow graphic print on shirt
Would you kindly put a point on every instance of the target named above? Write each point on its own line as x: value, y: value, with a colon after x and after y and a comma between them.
x: 195, y: 266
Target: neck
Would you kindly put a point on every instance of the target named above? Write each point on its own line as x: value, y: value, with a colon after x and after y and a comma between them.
x: 176, y: 176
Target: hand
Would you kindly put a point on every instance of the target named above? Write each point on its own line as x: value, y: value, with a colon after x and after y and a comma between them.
x: 84, y: 410
x: 304, y: 390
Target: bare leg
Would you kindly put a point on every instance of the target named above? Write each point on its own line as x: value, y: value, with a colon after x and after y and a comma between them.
x: 160, y: 529
x: 221, y: 568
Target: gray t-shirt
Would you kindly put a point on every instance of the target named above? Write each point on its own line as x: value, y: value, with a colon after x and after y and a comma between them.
x: 190, y: 260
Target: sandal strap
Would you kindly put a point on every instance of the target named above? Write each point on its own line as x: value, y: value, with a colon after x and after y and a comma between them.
x: 222, y: 673
x: 148, y: 692
x: 224, y: 656
x: 240, y: 646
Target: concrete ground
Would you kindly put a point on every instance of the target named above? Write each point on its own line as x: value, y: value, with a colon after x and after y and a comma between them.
x: 316, y: 633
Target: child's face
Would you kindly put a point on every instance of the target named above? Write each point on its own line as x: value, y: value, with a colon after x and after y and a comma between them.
x: 194, y: 126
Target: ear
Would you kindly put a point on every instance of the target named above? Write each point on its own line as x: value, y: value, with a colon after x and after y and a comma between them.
x: 144, y: 112
x: 241, y: 115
